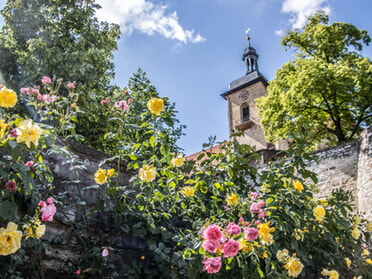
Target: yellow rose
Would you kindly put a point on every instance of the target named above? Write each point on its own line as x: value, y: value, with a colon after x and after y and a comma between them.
x: 355, y: 233
x: 282, y: 255
x: 110, y: 172
x: 100, y: 177
x: 232, y: 199
x: 319, y: 213
x: 294, y: 266
x: 188, y: 191
x: 244, y: 246
x: 369, y: 227
x: 8, y: 98
x: 28, y: 132
x: 10, y: 239
x: 348, y: 262
x: 34, y: 229
x: 365, y: 252
x: 368, y: 261
x: 178, y: 161
x: 155, y: 105
x: 333, y: 274
x: 357, y: 220
x: 147, y: 173
x: 298, y: 185
x: 3, y: 128
x: 264, y: 232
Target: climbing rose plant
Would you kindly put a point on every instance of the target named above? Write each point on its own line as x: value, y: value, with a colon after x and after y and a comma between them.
x: 217, y: 217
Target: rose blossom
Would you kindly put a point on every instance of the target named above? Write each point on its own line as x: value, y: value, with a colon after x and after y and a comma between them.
x: 230, y: 248
x: 212, y: 265
x: 105, y: 252
x: 29, y: 164
x: 70, y: 85
x: 233, y: 228
x: 121, y: 105
x: 255, y: 208
x: 50, y: 200
x: 261, y: 203
x: 13, y: 133
x: 25, y: 90
x: 105, y: 101
x: 211, y: 246
x: 213, y: 233
x: 253, y: 195
x: 48, y: 209
x: 261, y: 214
x: 250, y: 234
x: 11, y: 186
x: 46, y: 80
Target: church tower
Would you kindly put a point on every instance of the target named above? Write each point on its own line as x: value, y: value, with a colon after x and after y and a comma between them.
x: 241, y: 96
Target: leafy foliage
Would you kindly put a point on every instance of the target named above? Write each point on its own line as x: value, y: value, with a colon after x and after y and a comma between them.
x: 324, y: 94
x: 134, y: 123
x: 41, y: 38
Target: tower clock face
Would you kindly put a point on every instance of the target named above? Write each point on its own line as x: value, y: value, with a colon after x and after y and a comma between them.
x: 244, y: 95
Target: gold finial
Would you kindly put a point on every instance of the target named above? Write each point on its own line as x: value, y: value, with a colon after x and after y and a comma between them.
x: 247, y: 32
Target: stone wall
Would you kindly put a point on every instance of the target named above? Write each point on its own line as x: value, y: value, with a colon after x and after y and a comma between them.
x: 348, y: 167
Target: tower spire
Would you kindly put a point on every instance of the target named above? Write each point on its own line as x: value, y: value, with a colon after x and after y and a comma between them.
x: 250, y: 56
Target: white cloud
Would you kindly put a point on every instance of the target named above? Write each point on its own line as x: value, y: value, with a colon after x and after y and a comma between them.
x: 301, y: 9
x: 147, y: 18
x: 279, y: 32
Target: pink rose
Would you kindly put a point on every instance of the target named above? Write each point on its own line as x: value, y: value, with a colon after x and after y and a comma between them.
x: 105, y: 252
x: 42, y: 204
x: 121, y: 105
x: 253, y: 195
x: 35, y: 91
x: 233, y: 228
x: 261, y: 214
x: 211, y: 246
x: 213, y: 233
x: 212, y: 265
x: 48, y: 209
x: 255, y: 208
x: 46, y: 80
x: 261, y: 203
x: 11, y: 186
x: 130, y: 100
x: 250, y: 234
x: 77, y: 272
x: 29, y: 164
x: 105, y: 101
x: 25, y: 90
x: 230, y: 248
x: 70, y: 85
x: 50, y: 200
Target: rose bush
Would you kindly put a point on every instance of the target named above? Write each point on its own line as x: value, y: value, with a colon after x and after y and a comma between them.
x: 217, y: 217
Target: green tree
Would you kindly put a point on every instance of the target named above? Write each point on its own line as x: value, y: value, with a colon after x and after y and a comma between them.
x: 325, y: 92
x: 63, y: 38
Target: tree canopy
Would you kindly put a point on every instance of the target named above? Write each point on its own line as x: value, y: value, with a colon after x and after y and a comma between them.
x: 325, y: 92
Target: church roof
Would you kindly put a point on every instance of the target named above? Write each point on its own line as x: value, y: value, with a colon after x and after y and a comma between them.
x: 244, y: 81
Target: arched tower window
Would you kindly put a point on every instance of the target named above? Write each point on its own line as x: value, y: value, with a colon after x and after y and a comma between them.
x: 245, y: 112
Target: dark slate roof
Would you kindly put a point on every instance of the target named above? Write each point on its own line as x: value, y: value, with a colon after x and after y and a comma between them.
x: 245, y: 81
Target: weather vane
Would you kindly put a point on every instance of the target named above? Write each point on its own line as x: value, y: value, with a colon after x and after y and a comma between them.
x: 248, y: 36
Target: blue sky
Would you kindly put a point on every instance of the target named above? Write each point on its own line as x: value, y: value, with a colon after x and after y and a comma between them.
x: 191, y: 49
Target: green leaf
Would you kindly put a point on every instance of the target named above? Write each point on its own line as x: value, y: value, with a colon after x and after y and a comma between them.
x: 8, y: 210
